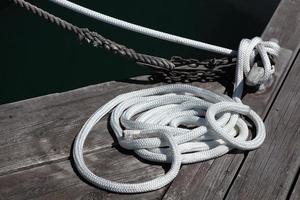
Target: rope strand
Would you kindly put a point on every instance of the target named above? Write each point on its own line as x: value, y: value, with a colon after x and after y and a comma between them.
x: 143, y: 30
x: 172, y: 70
x: 150, y: 121
x: 96, y: 39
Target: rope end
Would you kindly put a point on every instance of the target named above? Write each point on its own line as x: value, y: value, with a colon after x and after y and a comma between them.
x: 131, y: 134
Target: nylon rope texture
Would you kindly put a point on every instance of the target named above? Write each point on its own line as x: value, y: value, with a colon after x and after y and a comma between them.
x: 182, y: 124
x: 150, y: 121
x: 143, y: 30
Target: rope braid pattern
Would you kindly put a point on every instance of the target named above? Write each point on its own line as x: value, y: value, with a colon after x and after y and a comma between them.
x: 176, y: 123
x: 181, y: 124
x: 96, y: 39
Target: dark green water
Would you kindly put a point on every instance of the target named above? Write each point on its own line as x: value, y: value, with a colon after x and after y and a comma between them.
x: 38, y: 58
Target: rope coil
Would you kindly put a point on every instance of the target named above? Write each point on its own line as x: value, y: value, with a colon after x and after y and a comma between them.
x: 150, y: 121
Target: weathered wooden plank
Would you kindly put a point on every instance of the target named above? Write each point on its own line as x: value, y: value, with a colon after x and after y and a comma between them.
x: 215, y: 181
x: 274, y: 166
x: 296, y: 190
x: 204, y: 180
x: 58, y: 180
x: 37, y: 137
x: 284, y: 25
x: 42, y: 129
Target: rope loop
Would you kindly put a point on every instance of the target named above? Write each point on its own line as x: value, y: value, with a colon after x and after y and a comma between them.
x: 177, y: 124
x: 237, y: 142
x: 181, y: 124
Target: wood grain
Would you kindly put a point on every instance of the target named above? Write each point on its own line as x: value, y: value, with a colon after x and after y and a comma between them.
x: 284, y: 25
x: 273, y: 167
x: 218, y: 176
x: 58, y: 180
x: 41, y: 130
x: 37, y: 135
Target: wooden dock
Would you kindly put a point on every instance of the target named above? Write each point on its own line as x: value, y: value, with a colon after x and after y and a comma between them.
x: 37, y: 136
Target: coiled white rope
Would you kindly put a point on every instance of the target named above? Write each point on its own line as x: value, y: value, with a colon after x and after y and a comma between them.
x: 143, y: 30
x: 150, y: 121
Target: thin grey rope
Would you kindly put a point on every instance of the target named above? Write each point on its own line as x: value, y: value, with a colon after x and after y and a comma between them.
x: 96, y: 39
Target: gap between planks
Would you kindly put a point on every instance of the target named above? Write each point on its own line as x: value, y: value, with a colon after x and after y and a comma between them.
x: 284, y: 26
x: 274, y: 166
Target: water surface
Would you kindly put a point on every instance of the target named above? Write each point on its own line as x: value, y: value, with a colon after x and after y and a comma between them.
x: 38, y: 58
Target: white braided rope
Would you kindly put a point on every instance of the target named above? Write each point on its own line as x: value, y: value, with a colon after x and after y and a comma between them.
x: 143, y: 30
x: 147, y: 122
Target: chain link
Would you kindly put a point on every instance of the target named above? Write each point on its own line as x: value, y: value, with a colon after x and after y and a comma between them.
x: 190, y: 70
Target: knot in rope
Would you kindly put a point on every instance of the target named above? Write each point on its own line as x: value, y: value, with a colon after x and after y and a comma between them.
x: 181, y: 124
x: 254, y: 57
